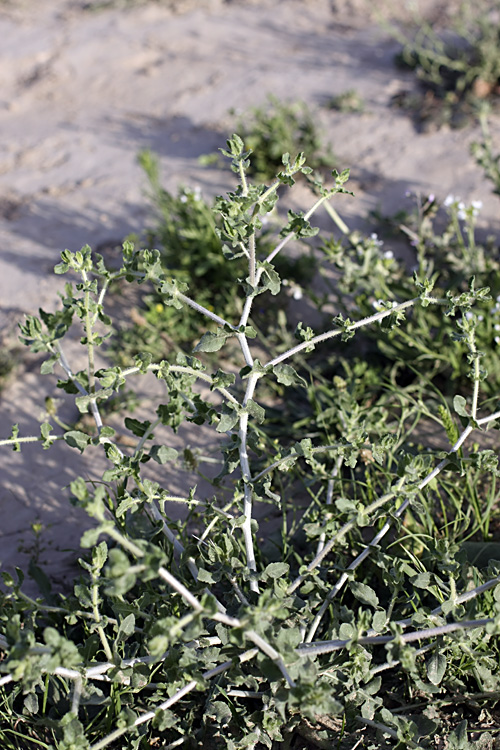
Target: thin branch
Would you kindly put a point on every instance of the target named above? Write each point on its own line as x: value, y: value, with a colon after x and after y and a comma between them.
x: 387, y: 730
x: 341, y: 533
x: 326, y: 647
x: 338, y: 331
x: 248, y: 490
x: 204, y: 311
x: 383, y: 531
x: 188, y: 371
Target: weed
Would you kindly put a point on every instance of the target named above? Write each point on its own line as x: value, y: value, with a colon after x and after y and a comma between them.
x: 457, y: 70
x: 484, y: 155
x: 347, y: 101
x: 216, y: 632
x: 277, y: 127
x: 188, y: 233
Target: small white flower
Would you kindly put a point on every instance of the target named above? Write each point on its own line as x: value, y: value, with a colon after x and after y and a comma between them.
x: 388, y: 254
x: 197, y: 193
x: 375, y: 239
x: 476, y: 207
x: 183, y: 199
x: 469, y: 315
x: 497, y: 327
x: 297, y: 293
x: 431, y: 198
x: 450, y: 200
x: 497, y: 339
x: 480, y: 318
x: 378, y: 303
x: 461, y: 213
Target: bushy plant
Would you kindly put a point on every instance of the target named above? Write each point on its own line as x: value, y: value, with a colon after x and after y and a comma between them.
x: 443, y: 239
x: 219, y: 632
x: 483, y: 152
x: 188, y: 233
x: 457, y: 69
x: 347, y: 101
x: 282, y: 126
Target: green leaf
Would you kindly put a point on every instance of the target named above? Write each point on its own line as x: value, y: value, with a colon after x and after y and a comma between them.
x: 270, y: 279
x: 287, y: 375
x: 422, y: 581
x: 99, y: 555
x: 365, y: 594
x: 436, y: 667
x: 47, y: 367
x: 222, y: 379
x: 379, y: 621
x: 298, y: 225
x: 457, y: 740
x: 77, y: 439
x: 228, y: 418
x: 221, y: 713
x: 136, y: 427
x: 459, y: 404
x: 212, y: 342
x: 126, y: 629
x: 45, y: 430
x: 163, y: 453
x: 256, y: 411
x: 16, y: 447
x: 277, y: 570
x: 205, y: 577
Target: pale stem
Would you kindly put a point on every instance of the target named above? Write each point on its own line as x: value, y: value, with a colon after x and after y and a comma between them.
x: 283, y: 459
x: 246, y: 476
x: 340, y: 533
x: 242, y: 339
x: 154, y: 513
x: 338, y: 331
x: 97, y: 618
x: 251, y: 260
x: 203, y: 310
x: 30, y: 439
x: 336, y: 218
x: 290, y: 236
x: 326, y: 647
x: 90, y: 336
x: 69, y: 373
x: 476, y: 379
x: 174, y: 698
x: 329, y: 501
x: 461, y: 599
x: 232, y: 622
x: 386, y: 730
x: 189, y: 371
x: 383, y: 531
x: 249, y: 300
x: 147, y: 433
x: 490, y: 418
x: 172, y: 581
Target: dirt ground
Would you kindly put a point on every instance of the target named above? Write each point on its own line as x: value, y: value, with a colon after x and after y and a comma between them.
x: 85, y: 85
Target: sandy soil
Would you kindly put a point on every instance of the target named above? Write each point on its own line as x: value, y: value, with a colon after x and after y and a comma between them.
x: 84, y: 87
